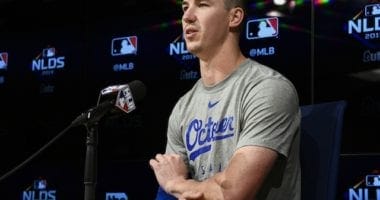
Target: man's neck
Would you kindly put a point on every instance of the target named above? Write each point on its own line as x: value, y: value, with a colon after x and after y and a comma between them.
x: 216, y: 69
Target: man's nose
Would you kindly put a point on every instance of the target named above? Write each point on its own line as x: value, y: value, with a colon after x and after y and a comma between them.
x: 189, y: 15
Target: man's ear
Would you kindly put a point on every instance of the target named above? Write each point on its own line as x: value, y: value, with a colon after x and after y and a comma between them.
x: 236, y: 17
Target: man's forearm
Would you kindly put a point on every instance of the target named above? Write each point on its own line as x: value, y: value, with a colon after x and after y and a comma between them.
x: 241, y: 179
x: 191, y: 189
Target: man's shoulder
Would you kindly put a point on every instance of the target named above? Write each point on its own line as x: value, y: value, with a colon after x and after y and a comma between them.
x: 261, y: 79
x: 258, y: 73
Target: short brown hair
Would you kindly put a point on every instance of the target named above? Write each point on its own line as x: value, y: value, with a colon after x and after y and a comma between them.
x: 235, y: 3
x: 229, y: 4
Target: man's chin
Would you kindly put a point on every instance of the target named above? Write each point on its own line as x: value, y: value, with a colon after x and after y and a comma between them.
x: 192, y: 49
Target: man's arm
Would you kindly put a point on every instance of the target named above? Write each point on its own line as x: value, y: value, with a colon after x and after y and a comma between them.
x: 241, y: 180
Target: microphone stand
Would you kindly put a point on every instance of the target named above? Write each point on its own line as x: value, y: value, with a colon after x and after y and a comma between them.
x: 90, y: 119
x: 90, y: 169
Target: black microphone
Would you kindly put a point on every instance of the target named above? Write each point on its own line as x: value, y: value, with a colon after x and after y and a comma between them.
x: 113, y: 98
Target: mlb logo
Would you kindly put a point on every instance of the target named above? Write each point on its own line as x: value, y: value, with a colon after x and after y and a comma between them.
x: 372, y: 180
x: 262, y: 28
x: 124, y: 46
x: 40, y: 184
x: 372, y: 9
x: 3, y: 60
x: 48, y: 52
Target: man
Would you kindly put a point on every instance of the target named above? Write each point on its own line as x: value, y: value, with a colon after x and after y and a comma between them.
x: 235, y: 134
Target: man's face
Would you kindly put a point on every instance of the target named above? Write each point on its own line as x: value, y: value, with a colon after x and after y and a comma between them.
x: 205, y: 25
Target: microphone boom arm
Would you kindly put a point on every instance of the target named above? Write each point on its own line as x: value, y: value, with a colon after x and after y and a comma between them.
x: 94, y: 114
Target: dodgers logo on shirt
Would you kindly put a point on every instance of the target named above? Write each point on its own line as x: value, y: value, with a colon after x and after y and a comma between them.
x: 201, y: 134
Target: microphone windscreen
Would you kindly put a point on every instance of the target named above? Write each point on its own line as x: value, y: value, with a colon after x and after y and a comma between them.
x: 138, y: 90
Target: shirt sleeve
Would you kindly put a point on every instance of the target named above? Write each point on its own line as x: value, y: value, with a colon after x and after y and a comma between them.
x: 270, y: 115
x: 175, y: 142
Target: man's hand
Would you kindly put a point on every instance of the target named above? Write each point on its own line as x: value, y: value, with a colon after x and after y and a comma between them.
x: 191, y: 195
x: 169, y: 169
x: 241, y: 179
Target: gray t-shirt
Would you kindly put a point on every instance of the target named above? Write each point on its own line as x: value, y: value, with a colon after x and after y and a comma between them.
x: 255, y: 105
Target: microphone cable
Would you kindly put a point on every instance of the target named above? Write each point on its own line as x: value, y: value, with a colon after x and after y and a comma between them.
x: 89, y: 116
x: 36, y: 153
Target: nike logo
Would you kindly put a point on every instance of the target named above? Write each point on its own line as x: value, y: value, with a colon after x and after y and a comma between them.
x: 210, y: 105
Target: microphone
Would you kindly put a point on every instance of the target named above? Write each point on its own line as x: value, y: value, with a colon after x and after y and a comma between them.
x: 123, y: 97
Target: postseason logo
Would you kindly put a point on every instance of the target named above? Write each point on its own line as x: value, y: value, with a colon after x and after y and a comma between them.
x: 189, y: 62
x: 48, y: 60
x: 262, y: 28
x: 367, y: 189
x: 367, y: 26
x: 39, y: 191
x: 116, y: 196
x: 178, y: 50
x: 125, y: 100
